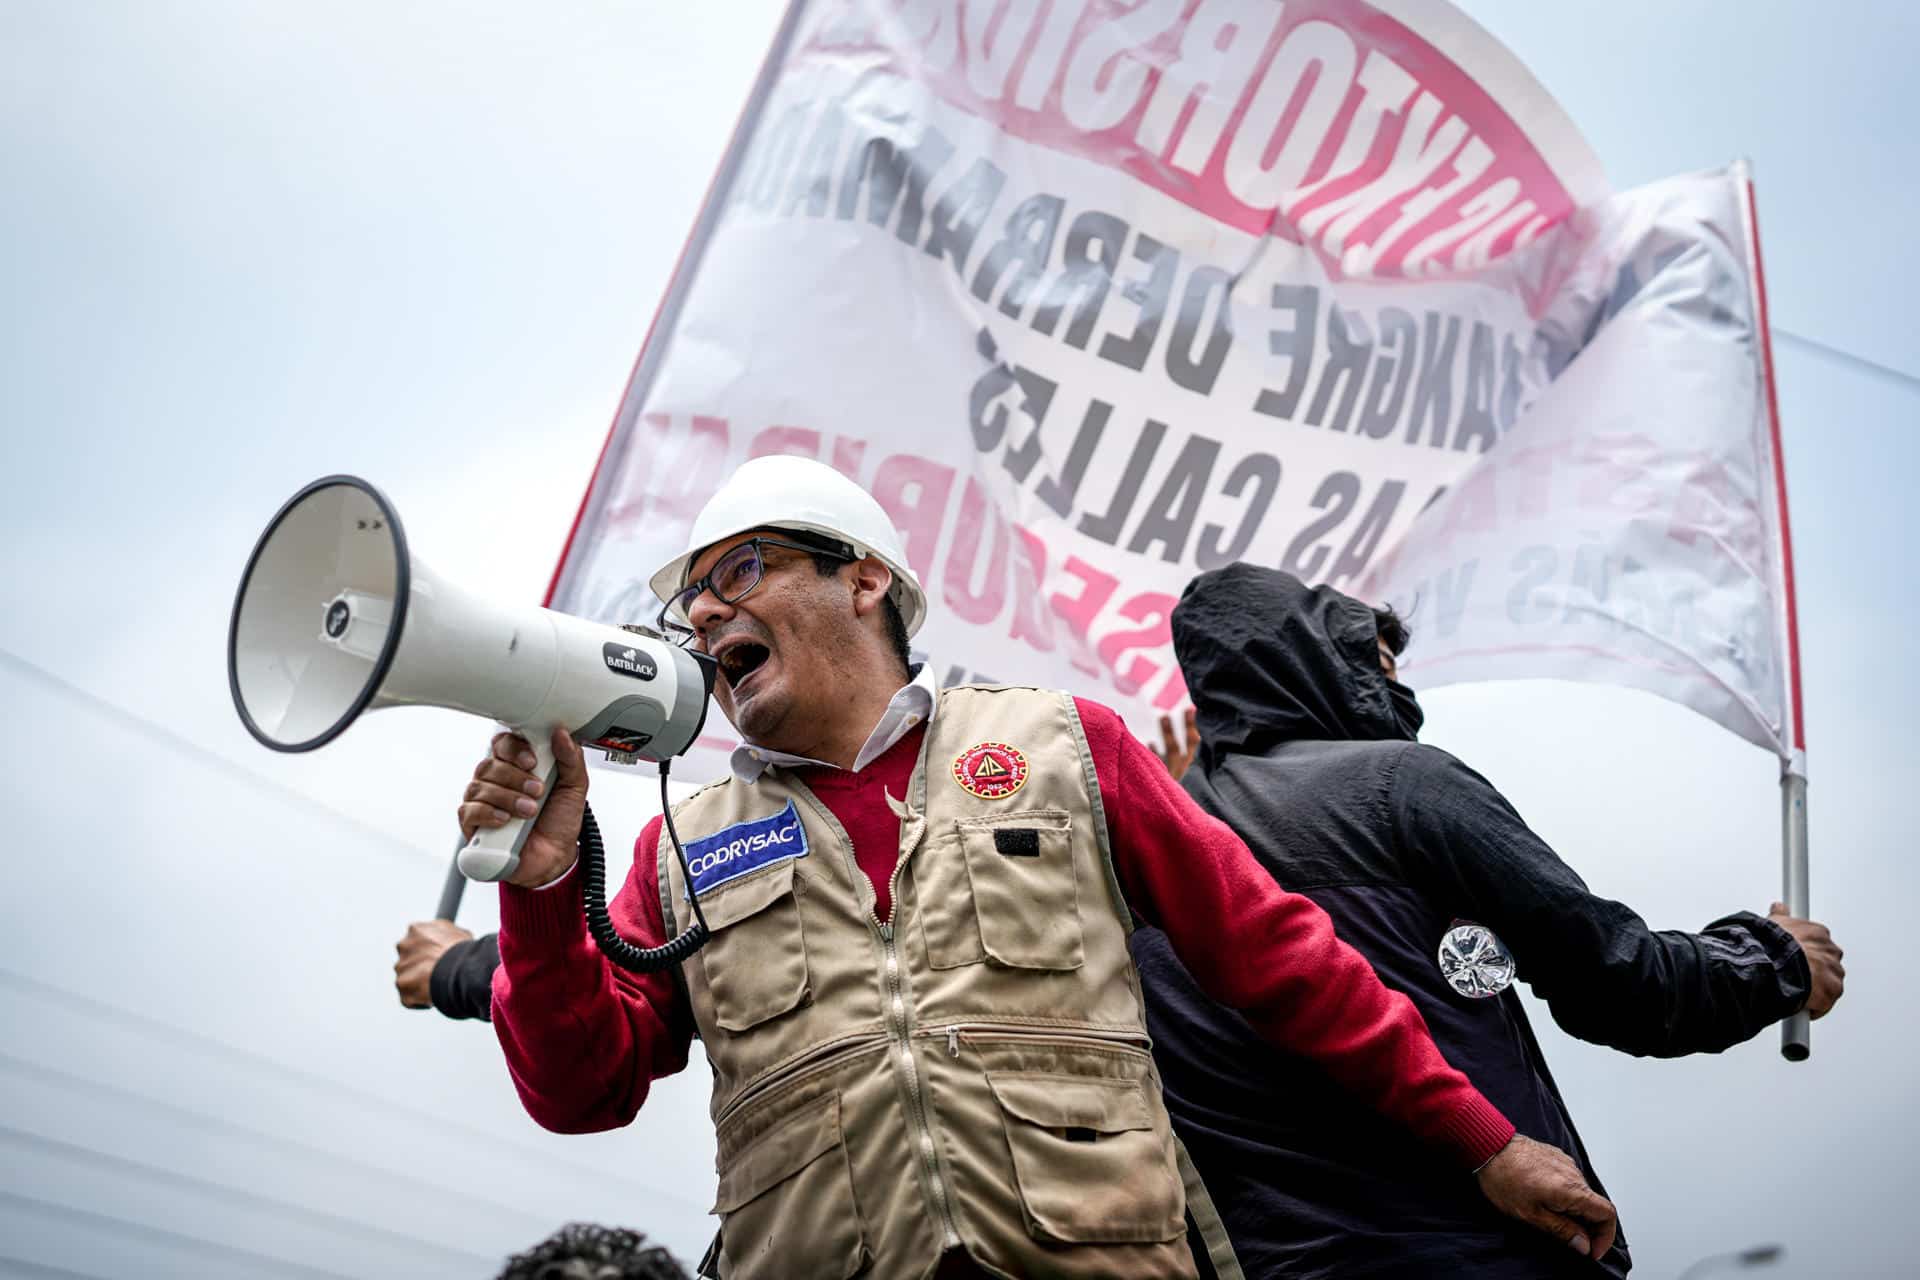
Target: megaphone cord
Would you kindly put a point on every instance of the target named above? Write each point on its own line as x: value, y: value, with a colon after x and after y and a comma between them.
x: 593, y: 864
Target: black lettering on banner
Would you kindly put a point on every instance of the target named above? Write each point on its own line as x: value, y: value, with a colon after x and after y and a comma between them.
x: 1536, y: 566
x: 1589, y: 585
x: 1433, y: 392
x: 1345, y: 367
x: 889, y: 173
x: 1107, y: 527
x: 1151, y: 295
x: 1365, y: 539
x: 1509, y: 383
x: 957, y: 215
x: 1451, y: 588
x: 762, y: 189
x: 987, y: 410
x: 1336, y: 496
x: 1059, y: 494
x: 813, y: 175
x: 1170, y: 516
x: 1476, y: 406
x: 1197, y: 373
x: 1262, y: 470
x: 1092, y: 255
x: 1025, y: 246
x: 1295, y: 344
x: 1394, y: 355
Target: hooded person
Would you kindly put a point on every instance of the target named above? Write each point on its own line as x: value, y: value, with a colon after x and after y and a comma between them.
x: 1308, y: 751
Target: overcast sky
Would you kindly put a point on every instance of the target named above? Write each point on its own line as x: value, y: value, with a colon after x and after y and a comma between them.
x: 421, y: 242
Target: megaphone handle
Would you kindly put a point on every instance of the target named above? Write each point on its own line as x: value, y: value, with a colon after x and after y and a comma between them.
x: 453, y: 888
x: 495, y: 854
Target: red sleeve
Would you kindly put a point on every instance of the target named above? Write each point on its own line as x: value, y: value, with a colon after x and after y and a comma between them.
x: 1273, y: 955
x: 584, y: 1038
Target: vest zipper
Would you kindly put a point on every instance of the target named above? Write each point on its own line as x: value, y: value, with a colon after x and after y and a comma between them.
x: 954, y: 1032
x: 819, y: 1058
x: 898, y: 1023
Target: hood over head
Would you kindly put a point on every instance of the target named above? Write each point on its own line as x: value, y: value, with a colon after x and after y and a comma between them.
x: 1269, y: 659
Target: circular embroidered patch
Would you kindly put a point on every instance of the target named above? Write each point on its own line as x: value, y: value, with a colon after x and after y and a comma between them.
x: 1475, y: 962
x: 991, y: 770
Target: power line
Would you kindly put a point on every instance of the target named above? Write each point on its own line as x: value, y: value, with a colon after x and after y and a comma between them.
x: 1872, y: 368
x: 75, y: 1001
x: 13, y: 1265
x: 178, y: 1239
x: 345, y: 1165
x: 126, y: 717
x: 236, y: 1196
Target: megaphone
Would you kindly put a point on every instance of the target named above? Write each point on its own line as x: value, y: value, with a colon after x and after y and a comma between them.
x: 334, y: 618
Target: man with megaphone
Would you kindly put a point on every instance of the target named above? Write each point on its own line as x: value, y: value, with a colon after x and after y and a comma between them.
x: 926, y: 1036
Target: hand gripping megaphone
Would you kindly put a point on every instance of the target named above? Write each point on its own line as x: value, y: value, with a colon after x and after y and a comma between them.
x: 334, y: 618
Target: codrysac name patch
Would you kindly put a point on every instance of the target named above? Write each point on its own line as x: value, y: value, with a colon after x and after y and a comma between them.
x: 745, y: 847
x: 991, y: 770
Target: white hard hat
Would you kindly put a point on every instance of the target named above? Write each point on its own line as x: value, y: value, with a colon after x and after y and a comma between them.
x: 782, y: 491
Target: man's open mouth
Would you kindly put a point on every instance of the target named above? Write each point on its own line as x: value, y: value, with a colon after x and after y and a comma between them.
x: 740, y: 661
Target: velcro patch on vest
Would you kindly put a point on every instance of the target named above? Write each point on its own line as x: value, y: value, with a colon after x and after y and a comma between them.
x: 745, y: 847
x: 1017, y: 842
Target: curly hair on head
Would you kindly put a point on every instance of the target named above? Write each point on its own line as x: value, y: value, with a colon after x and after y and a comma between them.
x: 1392, y: 628
x: 586, y: 1251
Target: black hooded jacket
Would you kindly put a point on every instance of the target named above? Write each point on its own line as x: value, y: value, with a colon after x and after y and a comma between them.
x: 1302, y: 754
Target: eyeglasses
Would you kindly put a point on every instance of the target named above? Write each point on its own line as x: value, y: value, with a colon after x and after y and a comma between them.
x: 732, y: 578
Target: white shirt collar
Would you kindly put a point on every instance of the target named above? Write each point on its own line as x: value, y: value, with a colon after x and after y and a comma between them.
x: 911, y: 706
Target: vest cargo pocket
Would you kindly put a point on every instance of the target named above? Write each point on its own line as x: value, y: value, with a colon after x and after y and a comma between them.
x: 1025, y: 888
x: 786, y: 1201
x: 756, y: 963
x: 1091, y: 1168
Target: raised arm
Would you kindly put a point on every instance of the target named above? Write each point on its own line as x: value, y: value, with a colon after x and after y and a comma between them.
x: 584, y: 1040
x: 1606, y: 976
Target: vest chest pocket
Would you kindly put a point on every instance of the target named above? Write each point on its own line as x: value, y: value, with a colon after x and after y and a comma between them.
x: 1089, y: 1164
x: 1012, y: 895
x: 755, y: 965
x: 786, y: 1200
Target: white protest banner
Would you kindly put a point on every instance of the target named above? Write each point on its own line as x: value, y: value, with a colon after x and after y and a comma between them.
x: 1632, y: 529
x: 1093, y: 295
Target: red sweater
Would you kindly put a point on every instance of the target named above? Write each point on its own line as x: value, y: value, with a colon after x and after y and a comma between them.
x: 584, y: 1039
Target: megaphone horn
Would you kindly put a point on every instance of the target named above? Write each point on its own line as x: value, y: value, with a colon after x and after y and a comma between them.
x: 334, y: 617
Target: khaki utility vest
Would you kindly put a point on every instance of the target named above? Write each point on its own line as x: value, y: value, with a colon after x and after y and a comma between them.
x: 972, y: 1072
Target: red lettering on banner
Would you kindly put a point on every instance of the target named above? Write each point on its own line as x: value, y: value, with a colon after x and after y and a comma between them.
x: 914, y: 492
x: 1173, y: 692
x: 963, y: 560
x: 1321, y: 120
x: 685, y: 478
x: 1078, y: 611
x: 1031, y: 622
x: 848, y: 453
x: 803, y: 441
x: 987, y: 560
x: 1154, y: 609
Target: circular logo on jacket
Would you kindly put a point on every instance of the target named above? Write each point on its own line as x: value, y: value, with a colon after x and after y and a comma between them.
x: 1475, y: 962
x: 991, y: 770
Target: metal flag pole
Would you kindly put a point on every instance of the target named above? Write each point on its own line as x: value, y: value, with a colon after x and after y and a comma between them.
x: 456, y: 885
x: 1796, y: 1037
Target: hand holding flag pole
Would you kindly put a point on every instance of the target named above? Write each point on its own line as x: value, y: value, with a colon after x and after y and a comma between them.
x: 1796, y: 1036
